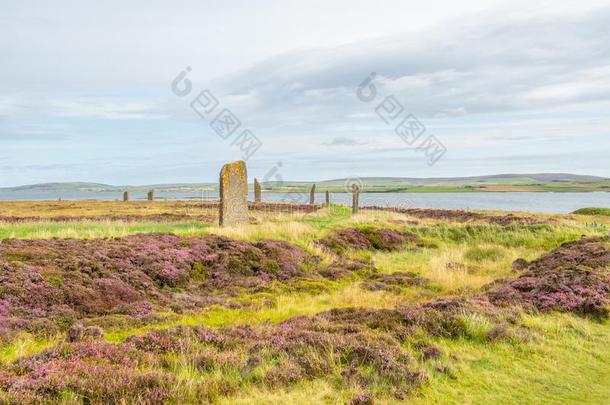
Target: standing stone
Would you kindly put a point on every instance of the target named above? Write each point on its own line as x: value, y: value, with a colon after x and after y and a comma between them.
x: 327, y: 195
x: 312, y: 195
x: 233, y: 194
x: 151, y: 195
x: 355, y: 198
x: 257, y: 191
x: 126, y: 196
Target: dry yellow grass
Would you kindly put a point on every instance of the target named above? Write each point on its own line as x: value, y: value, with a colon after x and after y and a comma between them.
x: 290, y: 231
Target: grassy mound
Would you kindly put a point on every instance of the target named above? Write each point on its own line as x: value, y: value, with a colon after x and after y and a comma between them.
x: 605, y: 212
x: 573, y: 278
x: 367, y: 239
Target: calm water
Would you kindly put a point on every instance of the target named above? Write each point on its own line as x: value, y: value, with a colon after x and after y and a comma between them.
x: 536, y: 202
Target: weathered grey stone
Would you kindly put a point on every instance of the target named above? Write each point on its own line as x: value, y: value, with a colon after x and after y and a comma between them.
x: 312, y: 195
x: 126, y: 196
x: 257, y: 191
x: 327, y: 199
x: 355, y: 199
x: 151, y: 195
x: 233, y: 194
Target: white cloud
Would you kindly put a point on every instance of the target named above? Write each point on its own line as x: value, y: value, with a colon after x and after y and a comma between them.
x: 344, y: 141
x: 104, y: 109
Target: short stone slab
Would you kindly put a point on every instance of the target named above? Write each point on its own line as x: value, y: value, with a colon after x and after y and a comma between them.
x: 355, y: 199
x: 233, y: 194
x: 312, y: 195
x: 257, y: 191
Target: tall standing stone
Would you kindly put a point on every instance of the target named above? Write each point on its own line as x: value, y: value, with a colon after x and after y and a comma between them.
x: 257, y: 191
x: 151, y: 195
x: 126, y: 196
x: 233, y: 194
x: 312, y: 195
x: 327, y: 198
x: 355, y: 198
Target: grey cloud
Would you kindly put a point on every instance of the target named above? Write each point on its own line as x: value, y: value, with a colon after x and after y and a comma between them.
x: 501, y: 64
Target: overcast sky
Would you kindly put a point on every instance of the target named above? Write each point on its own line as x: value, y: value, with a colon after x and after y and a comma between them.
x: 503, y: 86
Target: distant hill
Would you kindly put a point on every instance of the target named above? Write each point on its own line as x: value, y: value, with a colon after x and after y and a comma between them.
x: 100, y: 187
x: 499, y: 182
x: 539, y: 177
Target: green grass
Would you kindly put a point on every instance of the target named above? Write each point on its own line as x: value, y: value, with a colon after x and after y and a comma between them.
x: 23, y: 345
x: 593, y: 211
x: 530, y: 236
x: 566, y: 362
x: 87, y: 230
x: 479, y: 254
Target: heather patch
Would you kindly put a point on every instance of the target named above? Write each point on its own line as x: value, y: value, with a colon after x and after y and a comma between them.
x: 393, y: 282
x: 571, y: 278
x: 162, y: 218
x: 346, y: 267
x: 442, y: 318
x: 367, y: 239
x: 48, y: 284
x: 462, y: 216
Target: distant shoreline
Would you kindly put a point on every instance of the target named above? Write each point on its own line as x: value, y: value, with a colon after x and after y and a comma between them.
x: 501, y: 183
